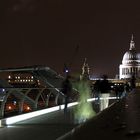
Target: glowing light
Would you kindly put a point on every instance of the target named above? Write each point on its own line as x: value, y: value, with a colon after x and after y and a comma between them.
x: 9, y: 76
x: 0, y: 123
x: 104, y: 101
x: 15, y: 102
x: 28, y: 108
x: 18, y: 118
x: 15, y: 119
x: 3, y: 90
x: 72, y: 104
x: 9, y: 107
x: 84, y: 109
x: 62, y: 107
x: 91, y: 99
x: 109, y: 98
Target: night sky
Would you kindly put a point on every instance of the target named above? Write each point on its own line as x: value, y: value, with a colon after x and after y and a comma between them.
x: 54, y: 32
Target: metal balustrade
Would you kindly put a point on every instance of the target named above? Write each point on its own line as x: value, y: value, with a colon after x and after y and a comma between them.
x: 37, y: 97
x: 21, y: 95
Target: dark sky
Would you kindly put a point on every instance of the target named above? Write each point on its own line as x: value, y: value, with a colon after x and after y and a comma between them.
x: 47, y: 32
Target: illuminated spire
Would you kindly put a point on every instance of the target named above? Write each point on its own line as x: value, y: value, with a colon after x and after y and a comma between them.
x: 132, y: 43
x: 85, y: 70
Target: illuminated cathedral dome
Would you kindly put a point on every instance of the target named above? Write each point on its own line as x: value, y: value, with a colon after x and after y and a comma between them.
x: 131, y: 62
x: 131, y: 57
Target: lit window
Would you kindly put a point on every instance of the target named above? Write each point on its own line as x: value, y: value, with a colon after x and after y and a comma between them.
x: 32, y: 77
x: 18, y: 77
x: 9, y: 76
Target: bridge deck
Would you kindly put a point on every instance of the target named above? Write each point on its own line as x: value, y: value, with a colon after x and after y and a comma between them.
x: 119, y: 122
x: 49, y: 126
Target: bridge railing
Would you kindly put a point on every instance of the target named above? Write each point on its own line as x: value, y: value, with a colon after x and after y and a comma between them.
x: 15, y: 101
x: 21, y: 100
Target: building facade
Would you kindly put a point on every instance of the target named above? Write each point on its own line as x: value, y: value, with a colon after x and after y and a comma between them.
x: 130, y: 63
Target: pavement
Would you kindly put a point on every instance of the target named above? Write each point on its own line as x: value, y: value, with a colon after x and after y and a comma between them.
x: 49, y: 126
x: 121, y: 121
x: 54, y: 125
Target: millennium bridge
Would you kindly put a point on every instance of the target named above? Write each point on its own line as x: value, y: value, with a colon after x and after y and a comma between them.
x: 31, y: 97
x: 36, y: 112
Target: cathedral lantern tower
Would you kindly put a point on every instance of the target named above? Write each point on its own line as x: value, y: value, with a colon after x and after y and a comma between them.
x: 131, y: 62
x: 85, y: 71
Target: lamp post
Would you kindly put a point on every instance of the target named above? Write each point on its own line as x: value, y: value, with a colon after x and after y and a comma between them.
x: 66, y: 70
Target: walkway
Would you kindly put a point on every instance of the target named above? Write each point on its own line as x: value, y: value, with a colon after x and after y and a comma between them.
x: 49, y: 127
x: 119, y: 122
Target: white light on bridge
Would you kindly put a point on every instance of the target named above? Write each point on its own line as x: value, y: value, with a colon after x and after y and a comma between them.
x: 22, y: 117
x: 15, y: 119
x: 29, y: 115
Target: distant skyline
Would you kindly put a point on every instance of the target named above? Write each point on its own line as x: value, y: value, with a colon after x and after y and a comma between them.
x: 55, y: 32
